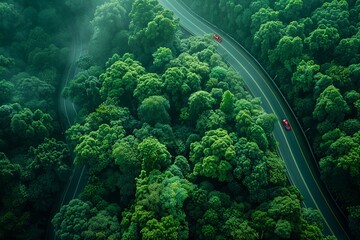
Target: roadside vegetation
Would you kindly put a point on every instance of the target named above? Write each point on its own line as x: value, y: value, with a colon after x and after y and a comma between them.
x: 312, y: 50
x: 174, y: 144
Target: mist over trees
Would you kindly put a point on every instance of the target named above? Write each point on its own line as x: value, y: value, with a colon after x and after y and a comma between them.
x: 174, y: 144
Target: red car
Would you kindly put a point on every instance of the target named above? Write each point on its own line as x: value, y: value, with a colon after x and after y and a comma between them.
x: 217, y: 38
x: 286, y: 124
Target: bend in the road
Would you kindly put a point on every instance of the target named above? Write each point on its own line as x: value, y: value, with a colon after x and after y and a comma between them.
x: 311, y: 188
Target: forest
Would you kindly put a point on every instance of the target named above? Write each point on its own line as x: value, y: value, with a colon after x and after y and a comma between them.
x: 174, y: 144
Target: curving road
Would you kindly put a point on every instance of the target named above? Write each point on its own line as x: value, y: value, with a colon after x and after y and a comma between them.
x: 299, y: 161
x: 68, y: 113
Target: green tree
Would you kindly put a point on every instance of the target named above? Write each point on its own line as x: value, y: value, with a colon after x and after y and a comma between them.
x: 31, y: 127
x: 267, y: 37
x: 213, y: 155
x: 70, y: 221
x: 333, y: 13
x: 162, y: 58
x: 102, y: 226
x: 288, y: 52
x: 154, y: 110
x: 6, y: 90
x: 120, y: 80
x: 153, y: 155
x: 34, y: 93
x: 289, y: 9
x: 151, y: 27
x: 227, y: 103
x: 10, y: 18
x: 330, y: 105
x: 148, y: 85
x: 303, y: 78
x: 92, y: 151
x: 262, y: 16
x: 110, y: 30
x: 47, y: 170
x: 199, y: 102
x: 347, y: 51
x: 322, y: 41
x: 84, y: 90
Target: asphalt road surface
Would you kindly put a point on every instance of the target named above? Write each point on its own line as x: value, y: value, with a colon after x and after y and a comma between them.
x: 301, y: 167
x: 68, y: 113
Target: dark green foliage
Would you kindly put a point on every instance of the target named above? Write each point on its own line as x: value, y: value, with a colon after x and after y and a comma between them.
x: 151, y: 27
x: 46, y: 172
x: 174, y: 146
x: 31, y: 127
x: 84, y: 90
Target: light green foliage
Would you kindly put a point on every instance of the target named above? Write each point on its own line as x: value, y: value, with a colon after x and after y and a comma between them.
x: 163, y: 132
x: 251, y: 168
x: 240, y: 230
x: 343, y: 154
x: 286, y: 208
x: 257, y: 134
x: 108, y: 114
x: 120, y: 80
x: 162, y: 58
x: 153, y: 155
x: 110, y: 16
x: 154, y: 110
x: 148, y: 85
x: 347, y: 51
x: 164, y: 229
x: 157, y: 211
x: 80, y: 220
x: 192, y: 64
x: 266, y: 122
x: 296, y: 29
x: 126, y: 154
x: 179, y: 83
x: 213, y: 155
x: 243, y: 122
x: 93, y: 149
x: 276, y: 170
x: 283, y: 229
x: 330, y: 106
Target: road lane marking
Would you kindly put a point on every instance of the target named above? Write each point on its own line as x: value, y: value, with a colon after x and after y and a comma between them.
x: 282, y: 131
